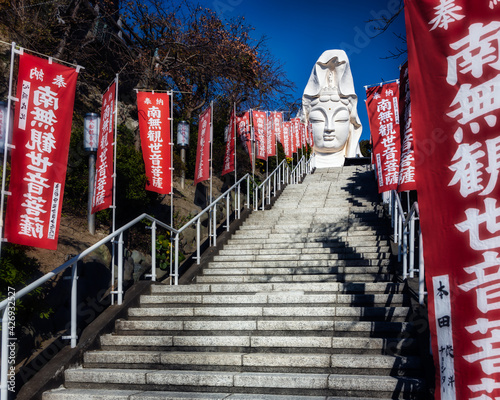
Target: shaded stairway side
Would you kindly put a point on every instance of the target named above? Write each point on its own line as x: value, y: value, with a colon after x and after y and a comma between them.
x: 301, y: 303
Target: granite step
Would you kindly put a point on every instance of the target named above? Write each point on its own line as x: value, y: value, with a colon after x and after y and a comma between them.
x: 245, y: 382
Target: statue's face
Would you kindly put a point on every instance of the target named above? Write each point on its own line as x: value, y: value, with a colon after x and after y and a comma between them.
x: 330, y: 125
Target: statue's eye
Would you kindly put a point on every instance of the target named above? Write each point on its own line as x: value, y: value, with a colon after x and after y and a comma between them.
x: 316, y: 116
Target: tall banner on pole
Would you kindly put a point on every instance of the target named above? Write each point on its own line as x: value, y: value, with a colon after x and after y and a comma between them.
x: 202, y: 171
x: 296, y: 134
x: 407, y: 178
x: 229, y: 154
x: 103, y: 187
x: 154, y: 127
x: 454, y: 64
x: 277, y: 127
x: 382, y: 103
x: 287, y: 139
x: 272, y: 121
x: 245, y: 134
x: 41, y: 136
x: 260, y: 131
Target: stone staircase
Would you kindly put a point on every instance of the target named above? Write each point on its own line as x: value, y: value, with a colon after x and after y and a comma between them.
x: 300, y: 304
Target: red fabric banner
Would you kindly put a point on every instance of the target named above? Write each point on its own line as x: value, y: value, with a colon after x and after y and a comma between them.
x: 245, y: 133
x: 271, y: 136
x: 103, y: 186
x: 296, y: 134
x: 454, y: 54
x: 277, y: 127
x: 202, y: 171
x: 383, y: 114
x: 154, y: 128
x: 41, y: 136
x: 260, y: 132
x: 287, y: 139
x: 407, y: 179
x: 229, y: 155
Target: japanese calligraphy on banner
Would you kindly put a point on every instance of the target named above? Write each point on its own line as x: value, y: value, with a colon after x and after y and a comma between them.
x: 103, y: 186
x: 245, y: 133
x: 154, y: 127
x: 453, y: 51
x: 286, y: 140
x: 296, y: 134
x: 406, y: 180
x: 260, y: 132
x: 41, y: 136
x: 271, y: 136
x: 202, y: 170
x: 277, y: 124
x: 383, y: 114
x: 229, y: 154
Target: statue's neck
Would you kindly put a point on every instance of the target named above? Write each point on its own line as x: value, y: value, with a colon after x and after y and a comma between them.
x: 328, y: 160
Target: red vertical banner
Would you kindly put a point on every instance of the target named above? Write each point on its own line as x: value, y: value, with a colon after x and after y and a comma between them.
x: 155, y: 128
x: 382, y: 103
x: 103, y: 186
x: 229, y: 154
x: 277, y: 118
x: 245, y: 134
x: 287, y: 139
x: 454, y: 64
x: 296, y: 134
x: 202, y: 170
x: 260, y: 132
x: 41, y: 136
x: 407, y: 178
x: 271, y: 136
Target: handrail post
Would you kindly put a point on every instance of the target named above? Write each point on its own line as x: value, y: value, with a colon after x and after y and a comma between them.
x: 405, y: 254
x: 153, y: 252
x: 120, y: 269
x: 239, y: 201
x: 198, y: 235
x: 215, y: 225
x: 421, y: 269
x: 228, y: 199
x: 248, y: 192
x: 263, y: 196
x: 74, y: 293
x: 73, y: 307
x: 5, y: 354
x: 412, y: 246
x: 176, y: 271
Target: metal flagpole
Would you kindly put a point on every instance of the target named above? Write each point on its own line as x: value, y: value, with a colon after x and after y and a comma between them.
x: 171, y: 176
x: 235, y: 134
x: 213, y: 233
x: 10, y: 98
x: 113, y: 206
x: 115, y: 144
x: 252, y: 139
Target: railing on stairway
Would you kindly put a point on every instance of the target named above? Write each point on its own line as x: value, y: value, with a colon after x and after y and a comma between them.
x: 404, y: 235
x: 280, y: 176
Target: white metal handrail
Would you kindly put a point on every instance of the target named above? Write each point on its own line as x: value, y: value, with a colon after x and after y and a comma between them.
x: 5, y: 305
x: 271, y: 184
x: 404, y: 236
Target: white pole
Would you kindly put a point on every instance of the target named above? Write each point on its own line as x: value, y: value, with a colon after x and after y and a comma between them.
x: 171, y: 173
x: 115, y: 144
x: 5, y: 151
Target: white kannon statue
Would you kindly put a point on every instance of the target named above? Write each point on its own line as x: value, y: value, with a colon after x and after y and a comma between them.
x: 329, y: 103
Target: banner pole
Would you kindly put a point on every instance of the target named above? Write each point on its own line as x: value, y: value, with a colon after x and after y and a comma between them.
x: 115, y: 153
x: 171, y: 178
x: 234, y: 132
x: 252, y: 139
x: 211, y: 146
x: 6, y: 144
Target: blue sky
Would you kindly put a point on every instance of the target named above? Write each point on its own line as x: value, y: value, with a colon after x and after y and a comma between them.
x: 299, y: 31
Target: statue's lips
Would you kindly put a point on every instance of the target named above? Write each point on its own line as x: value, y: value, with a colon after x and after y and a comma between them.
x: 328, y: 138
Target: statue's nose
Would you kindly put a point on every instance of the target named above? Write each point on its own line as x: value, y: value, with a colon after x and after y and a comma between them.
x: 329, y: 126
